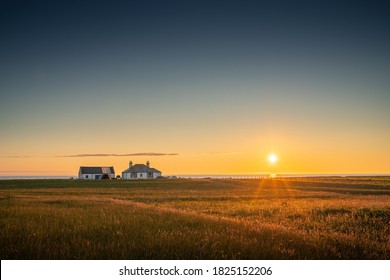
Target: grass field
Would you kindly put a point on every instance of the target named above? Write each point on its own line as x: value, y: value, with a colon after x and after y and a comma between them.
x: 297, y: 218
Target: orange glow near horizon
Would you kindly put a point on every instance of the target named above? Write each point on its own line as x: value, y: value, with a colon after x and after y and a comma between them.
x: 183, y: 150
x: 197, y: 163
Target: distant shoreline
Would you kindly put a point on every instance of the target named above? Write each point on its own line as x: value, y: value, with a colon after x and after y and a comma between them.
x: 212, y: 176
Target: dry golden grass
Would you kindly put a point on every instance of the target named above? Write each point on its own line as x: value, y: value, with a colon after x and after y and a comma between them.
x: 298, y: 218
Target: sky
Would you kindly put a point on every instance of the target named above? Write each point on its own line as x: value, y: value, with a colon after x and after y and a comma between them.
x: 195, y: 87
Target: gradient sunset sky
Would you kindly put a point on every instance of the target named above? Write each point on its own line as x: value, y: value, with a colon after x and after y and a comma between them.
x: 195, y: 87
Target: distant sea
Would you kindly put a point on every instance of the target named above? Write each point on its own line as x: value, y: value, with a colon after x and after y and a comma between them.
x: 273, y: 175
x: 212, y: 176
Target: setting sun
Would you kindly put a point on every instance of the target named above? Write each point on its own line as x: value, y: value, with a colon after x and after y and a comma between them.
x: 272, y: 158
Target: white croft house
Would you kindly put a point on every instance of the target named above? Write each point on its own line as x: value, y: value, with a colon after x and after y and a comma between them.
x: 140, y: 171
x: 96, y: 172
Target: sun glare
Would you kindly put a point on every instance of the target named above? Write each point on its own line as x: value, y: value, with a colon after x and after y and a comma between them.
x: 272, y: 158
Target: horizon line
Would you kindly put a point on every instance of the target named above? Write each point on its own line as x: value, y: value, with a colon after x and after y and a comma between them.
x: 187, y: 175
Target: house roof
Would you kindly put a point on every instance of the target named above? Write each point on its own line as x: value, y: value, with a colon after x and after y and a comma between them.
x: 97, y: 170
x: 137, y: 168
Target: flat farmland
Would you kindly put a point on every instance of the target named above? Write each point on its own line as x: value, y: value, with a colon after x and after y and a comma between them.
x: 279, y: 218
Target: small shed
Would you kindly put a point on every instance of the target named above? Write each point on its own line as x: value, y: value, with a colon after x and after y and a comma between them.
x: 140, y: 171
x: 96, y: 172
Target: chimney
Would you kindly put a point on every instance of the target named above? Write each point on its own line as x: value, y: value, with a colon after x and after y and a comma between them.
x: 130, y: 164
x: 147, y: 164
